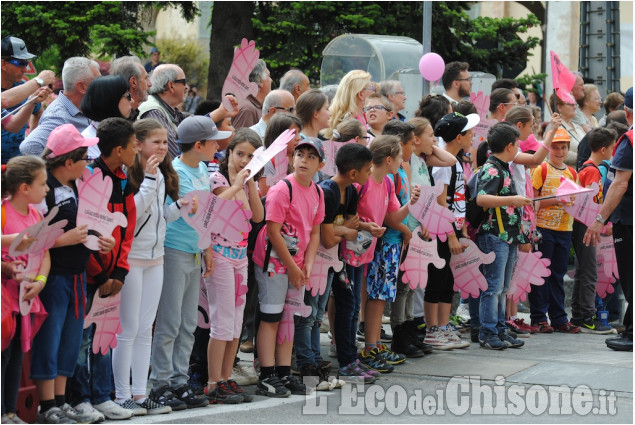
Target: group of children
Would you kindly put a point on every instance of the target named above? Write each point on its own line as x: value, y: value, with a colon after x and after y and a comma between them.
x: 157, y: 265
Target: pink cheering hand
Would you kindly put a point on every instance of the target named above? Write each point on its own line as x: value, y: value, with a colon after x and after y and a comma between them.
x: 330, y: 151
x: 293, y: 306
x: 530, y: 270
x: 104, y: 313
x: 280, y: 168
x: 584, y: 209
x: 467, y: 277
x: 45, y: 235
x: 607, y: 266
x: 481, y: 101
x: 430, y: 214
x: 92, y: 208
x: 241, y: 290
x: 415, y: 266
x: 216, y: 215
x: 325, y: 259
x: 263, y: 156
x: 237, y: 81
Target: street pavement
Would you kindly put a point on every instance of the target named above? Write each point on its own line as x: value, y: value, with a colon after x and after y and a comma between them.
x: 554, y: 378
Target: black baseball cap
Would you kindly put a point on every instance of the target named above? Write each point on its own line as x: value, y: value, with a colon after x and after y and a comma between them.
x: 13, y: 47
x: 314, y: 143
x: 453, y: 124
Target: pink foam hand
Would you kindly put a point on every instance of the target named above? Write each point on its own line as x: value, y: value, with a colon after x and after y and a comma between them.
x: 481, y: 101
x: 563, y: 79
x: 568, y: 188
x: 415, y: 265
x: 94, y: 192
x: 263, y: 156
x: 215, y: 215
x: 584, y: 209
x: 605, y: 253
x: 430, y: 214
x: 104, y: 313
x: 293, y: 306
x: 241, y: 290
x: 330, y: 151
x: 530, y: 269
x: 604, y: 285
x: 325, y: 259
x: 237, y: 81
x: 467, y: 277
x: 203, y: 306
x: 280, y: 168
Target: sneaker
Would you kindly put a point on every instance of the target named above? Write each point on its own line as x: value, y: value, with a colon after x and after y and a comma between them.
x: 567, y: 328
x: 454, y: 339
x: 368, y: 370
x: 89, y: 413
x: 223, y: 394
x: 374, y: 359
x: 360, y: 345
x: 134, y: 407
x: 332, y: 351
x: 243, y: 375
x: 329, y: 334
x: 459, y: 323
x: 233, y: 385
x: 295, y: 385
x: 492, y: 342
x: 360, y: 332
x: 390, y: 356
x: 247, y: 347
x: 437, y: 339
x: 113, y: 411
x: 520, y: 333
x: 354, y: 374
x: 324, y: 326
x: 191, y: 400
x: 272, y: 387
x: 11, y: 418
x: 520, y: 324
x: 385, y: 320
x: 81, y: 418
x: 197, y: 382
x: 385, y: 337
x: 54, y: 415
x: 594, y: 326
x: 510, y: 342
x: 463, y: 310
x: 154, y: 408
x: 315, y: 378
x: 541, y: 327
x: 165, y: 397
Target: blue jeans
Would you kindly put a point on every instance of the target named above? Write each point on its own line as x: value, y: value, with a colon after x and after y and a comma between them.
x: 498, y: 275
x: 91, y: 383
x: 307, y: 329
x: 549, y: 297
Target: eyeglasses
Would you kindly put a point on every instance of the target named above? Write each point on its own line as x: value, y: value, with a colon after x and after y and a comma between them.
x: 376, y: 108
x: 514, y: 104
x: 290, y: 110
x: 19, y: 62
x: 128, y: 96
x: 181, y: 81
x: 401, y: 93
x: 464, y: 79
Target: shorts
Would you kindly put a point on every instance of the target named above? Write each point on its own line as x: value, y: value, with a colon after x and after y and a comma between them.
x: 272, y: 290
x: 381, y: 283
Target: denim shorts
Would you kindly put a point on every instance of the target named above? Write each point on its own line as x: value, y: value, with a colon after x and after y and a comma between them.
x: 57, y: 343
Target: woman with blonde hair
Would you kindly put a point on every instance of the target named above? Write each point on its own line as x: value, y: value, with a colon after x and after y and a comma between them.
x: 350, y: 99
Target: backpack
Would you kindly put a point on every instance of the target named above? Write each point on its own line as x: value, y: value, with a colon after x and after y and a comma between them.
x: 474, y: 214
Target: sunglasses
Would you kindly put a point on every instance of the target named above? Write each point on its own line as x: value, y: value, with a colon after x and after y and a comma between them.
x: 290, y: 110
x: 181, y: 81
x: 19, y: 62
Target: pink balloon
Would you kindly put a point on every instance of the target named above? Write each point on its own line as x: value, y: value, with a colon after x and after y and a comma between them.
x: 431, y: 66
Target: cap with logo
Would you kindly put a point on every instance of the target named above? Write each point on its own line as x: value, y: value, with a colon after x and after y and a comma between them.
x: 198, y: 128
x: 561, y: 136
x: 13, y: 47
x: 453, y: 124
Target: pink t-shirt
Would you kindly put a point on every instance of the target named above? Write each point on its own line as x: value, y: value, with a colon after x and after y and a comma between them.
x: 305, y: 211
x: 373, y: 204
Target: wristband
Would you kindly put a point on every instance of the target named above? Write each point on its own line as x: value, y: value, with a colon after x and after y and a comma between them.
x: 547, y: 148
x: 41, y: 278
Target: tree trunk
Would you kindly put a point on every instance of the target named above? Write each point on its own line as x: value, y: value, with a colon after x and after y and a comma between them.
x: 231, y: 22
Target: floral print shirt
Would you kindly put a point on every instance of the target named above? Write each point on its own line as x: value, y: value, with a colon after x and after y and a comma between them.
x: 488, y: 183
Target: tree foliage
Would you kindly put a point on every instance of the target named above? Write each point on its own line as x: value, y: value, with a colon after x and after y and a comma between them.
x: 106, y: 28
x: 293, y: 34
x: 190, y: 56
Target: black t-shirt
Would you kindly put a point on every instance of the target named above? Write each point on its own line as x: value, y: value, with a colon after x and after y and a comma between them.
x: 334, y: 211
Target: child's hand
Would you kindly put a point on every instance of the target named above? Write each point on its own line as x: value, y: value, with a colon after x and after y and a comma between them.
x: 106, y: 244
x: 407, y: 235
x: 241, y: 176
x: 77, y: 235
x: 32, y: 289
x: 414, y: 196
x: 111, y: 287
x: 524, y: 247
x: 234, y: 102
x: 11, y: 269
x: 208, y: 260
x: 556, y: 121
x: 519, y: 201
x: 296, y: 276
x: 455, y: 246
x: 352, y: 222
x: 194, y: 204
x: 425, y: 234
x: 25, y: 243
x: 376, y: 231
x: 152, y: 164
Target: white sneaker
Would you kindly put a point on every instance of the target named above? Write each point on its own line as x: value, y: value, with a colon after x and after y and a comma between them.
x: 385, y: 320
x: 332, y: 351
x: 360, y: 345
x: 454, y: 339
x: 89, y: 413
x: 463, y: 310
x: 244, y: 375
x: 113, y: 411
x: 437, y: 339
x: 325, y: 326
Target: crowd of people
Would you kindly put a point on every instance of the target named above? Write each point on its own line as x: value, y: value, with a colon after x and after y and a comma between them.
x: 186, y: 312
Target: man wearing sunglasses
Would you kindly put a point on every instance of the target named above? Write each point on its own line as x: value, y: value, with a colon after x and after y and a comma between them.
x: 15, y: 59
